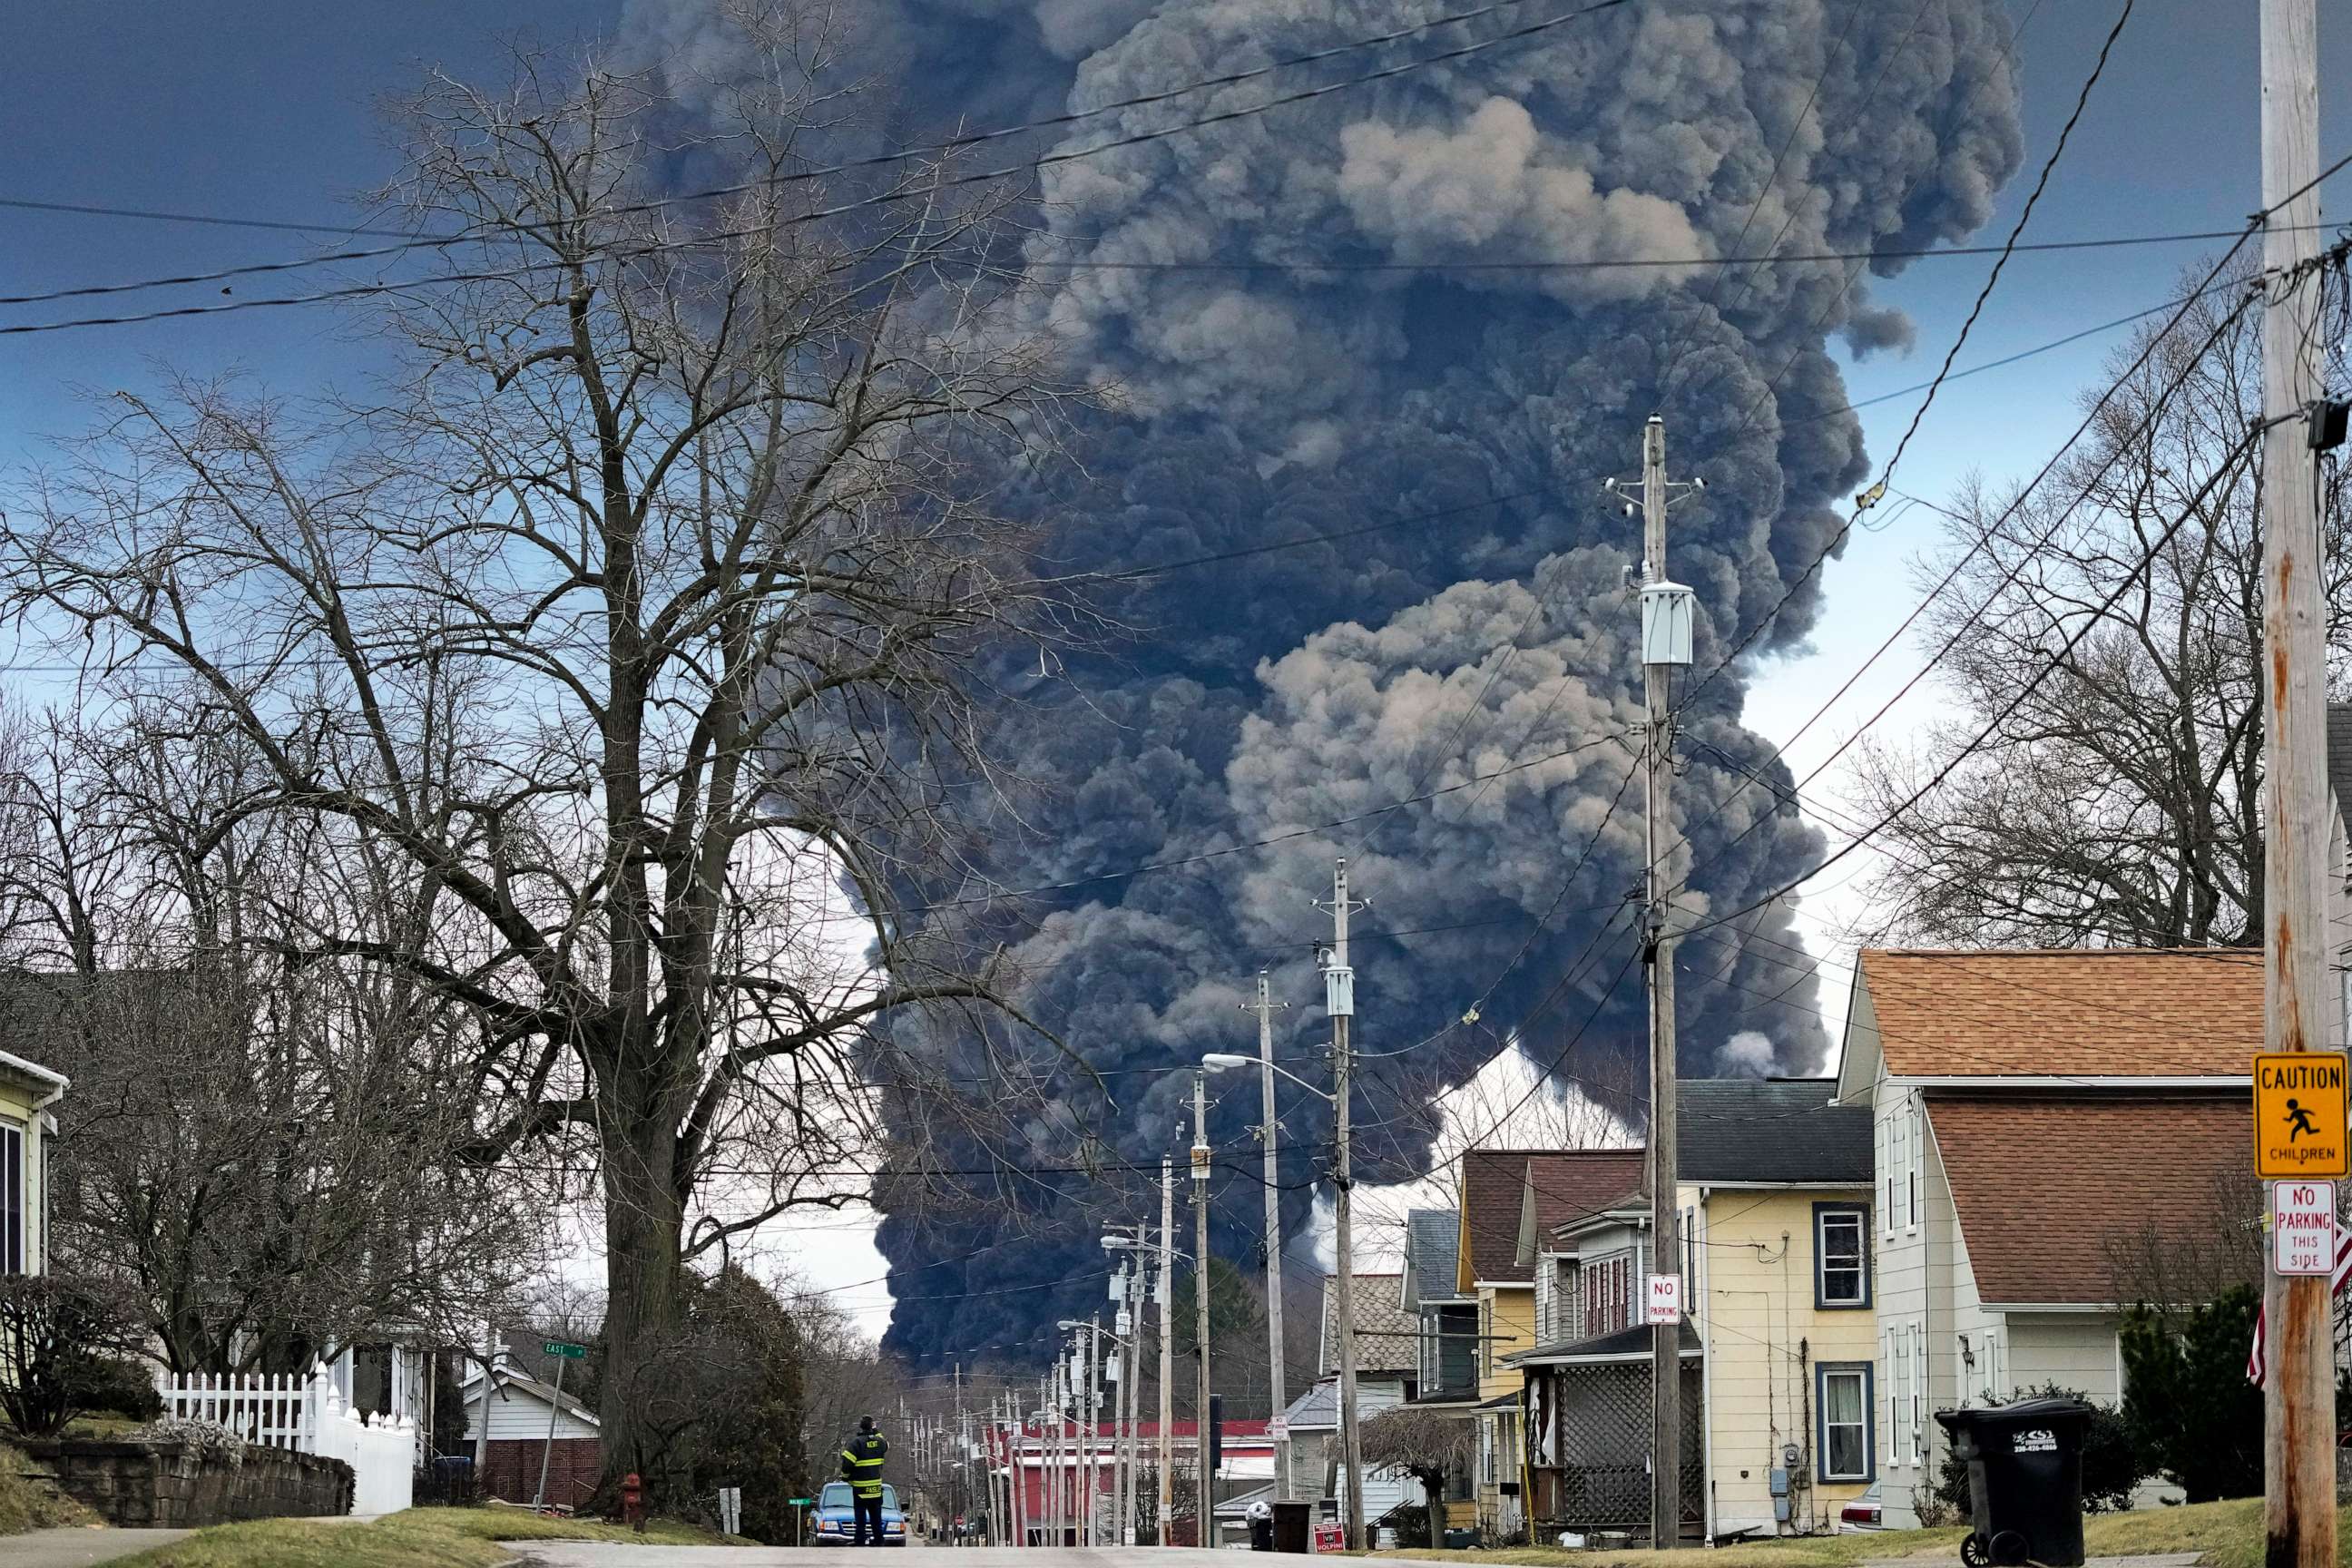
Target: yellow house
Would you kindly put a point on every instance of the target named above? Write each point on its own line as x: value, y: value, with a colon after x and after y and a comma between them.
x: 27, y: 1090
x: 1509, y: 1199
x: 1777, y: 1347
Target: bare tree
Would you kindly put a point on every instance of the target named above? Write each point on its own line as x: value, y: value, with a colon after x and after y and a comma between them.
x: 264, y: 1154
x: 630, y: 634
x: 2118, y: 801
x: 1425, y: 1444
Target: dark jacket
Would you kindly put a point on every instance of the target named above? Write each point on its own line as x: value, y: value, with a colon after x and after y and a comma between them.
x: 861, y: 1464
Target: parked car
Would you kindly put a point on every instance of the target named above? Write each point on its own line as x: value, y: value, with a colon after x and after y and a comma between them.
x: 1862, y: 1513
x: 836, y: 1524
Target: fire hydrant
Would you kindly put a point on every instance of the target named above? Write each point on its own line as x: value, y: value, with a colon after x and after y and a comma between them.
x: 633, y: 1502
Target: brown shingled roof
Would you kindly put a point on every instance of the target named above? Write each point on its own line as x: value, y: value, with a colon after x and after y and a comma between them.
x: 1567, y: 1183
x: 1388, y: 1337
x: 2049, y: 1189
x: 2085, y: 1012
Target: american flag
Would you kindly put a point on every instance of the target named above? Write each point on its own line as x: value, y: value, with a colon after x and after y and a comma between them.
x: 2258, y: 1366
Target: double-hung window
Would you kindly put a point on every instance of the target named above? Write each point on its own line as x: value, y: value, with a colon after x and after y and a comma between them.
x: 1843, y: 1396
x: 1918, y: 1396
x: 16, y: 1247
x: 1899, y: 1379
x: 1914, y: 1148
x: 1893, y: 1168
x: 1840, y: 1255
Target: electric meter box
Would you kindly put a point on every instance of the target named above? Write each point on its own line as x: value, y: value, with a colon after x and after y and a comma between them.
x: 1667, y: 609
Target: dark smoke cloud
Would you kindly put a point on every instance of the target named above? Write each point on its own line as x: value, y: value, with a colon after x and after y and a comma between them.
x: 1293, y: 687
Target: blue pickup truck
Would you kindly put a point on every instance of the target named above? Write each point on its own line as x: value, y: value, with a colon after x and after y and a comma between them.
x: 836, y: 1525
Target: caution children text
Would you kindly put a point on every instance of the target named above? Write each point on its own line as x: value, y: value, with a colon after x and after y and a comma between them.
x: 2300, y: 1115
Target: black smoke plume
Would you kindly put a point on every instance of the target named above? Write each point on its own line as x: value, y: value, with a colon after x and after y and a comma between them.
x: 1265, y: 399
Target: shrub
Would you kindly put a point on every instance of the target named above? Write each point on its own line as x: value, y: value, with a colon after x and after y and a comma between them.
x: 54, y: 1336
x: 118, y: 1385
x: 2112, y: 1468
x: 207, y: 1440
x: 2193, y: 1418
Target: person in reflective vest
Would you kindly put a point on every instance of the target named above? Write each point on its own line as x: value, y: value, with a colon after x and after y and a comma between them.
x: 861, y: 1467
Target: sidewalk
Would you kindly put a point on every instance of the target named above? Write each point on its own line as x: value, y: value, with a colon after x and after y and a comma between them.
x: 79, y: 1548
x: 2157, y: 1560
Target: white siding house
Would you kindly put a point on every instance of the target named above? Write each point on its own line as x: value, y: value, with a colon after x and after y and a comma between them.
x: 2019, y: 1102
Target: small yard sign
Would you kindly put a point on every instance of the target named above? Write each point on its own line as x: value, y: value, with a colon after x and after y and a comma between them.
x: 558, y: 1348
x: 1666, y: 1299
x: 2303, y: 1226
x: 2300, y: 1115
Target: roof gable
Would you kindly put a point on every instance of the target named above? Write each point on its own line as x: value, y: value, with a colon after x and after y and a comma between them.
x: 1774, y: 1131
x: 1388, y: 1337
x: 1510, y: 1192
x: 2079, y: 1013
x: 1431, y: 1237
x: 2054, y: 1191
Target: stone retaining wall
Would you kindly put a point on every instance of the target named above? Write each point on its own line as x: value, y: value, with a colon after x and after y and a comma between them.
x: 169, y: 1486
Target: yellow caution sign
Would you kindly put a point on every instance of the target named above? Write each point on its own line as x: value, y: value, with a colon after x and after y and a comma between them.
x: 2300, y: 1115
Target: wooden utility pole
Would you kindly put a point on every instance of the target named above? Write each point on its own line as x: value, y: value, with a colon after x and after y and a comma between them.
x: 1205, y: 1489
x: 1667, y: 614
x: 2299, y: 1399
x: 1277, y: 1394
x: 1167, y: 1292
x: 1339, y: 1001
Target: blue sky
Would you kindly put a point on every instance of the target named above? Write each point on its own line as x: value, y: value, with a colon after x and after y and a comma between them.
x: 267, y: 109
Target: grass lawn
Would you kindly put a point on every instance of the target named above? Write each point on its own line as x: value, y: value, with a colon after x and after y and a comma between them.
x: 2229, y: 1535
x: 420, y: 1537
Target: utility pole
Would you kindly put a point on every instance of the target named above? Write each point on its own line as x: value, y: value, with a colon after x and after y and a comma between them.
x: 1339, y: 1001
x: 2299, y: 1399
x: 1277, y: 1400
x: 1088, y: 1411
x: 1167, y: 1339
x: 482, y: 1427
x: 1202, y: 1490
x: 1131, y: 1395
x: 1667, y: 616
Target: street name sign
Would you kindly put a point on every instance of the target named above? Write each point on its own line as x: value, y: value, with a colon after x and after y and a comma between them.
x: 568, y: 1352
x: 2300, y: 1116
x: 2302, y: 1228
x: 1666, y: 1299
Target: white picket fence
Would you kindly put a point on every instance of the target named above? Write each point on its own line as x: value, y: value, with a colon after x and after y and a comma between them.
x: 309, y: 1415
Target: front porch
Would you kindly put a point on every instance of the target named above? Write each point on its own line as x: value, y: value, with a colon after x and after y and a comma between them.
x: 1588, y: 1435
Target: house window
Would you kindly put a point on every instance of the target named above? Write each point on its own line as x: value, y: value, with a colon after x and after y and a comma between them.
x: 1889, y: 1343
x: 1840, y: 1255
x: 12, y: 1243
x: 1901, y: 1381
x: 1918, y: 1396
x: 1893, y: 1168
x: 1843, y: 1396
x: 1914, y: 1144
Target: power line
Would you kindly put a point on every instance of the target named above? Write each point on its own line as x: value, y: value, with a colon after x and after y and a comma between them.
x: 1993, y: 279
x: 924, y: 190
x: 2031, y: 685
x: 1987, y: 536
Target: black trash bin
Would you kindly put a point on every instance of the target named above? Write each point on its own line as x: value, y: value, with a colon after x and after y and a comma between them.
x: 2025, y: 1480
x: 1294, y: 1527
x: 1261, y: 1529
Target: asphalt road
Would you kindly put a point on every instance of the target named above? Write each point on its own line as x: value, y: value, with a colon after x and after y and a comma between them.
x: 597, y: 1554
